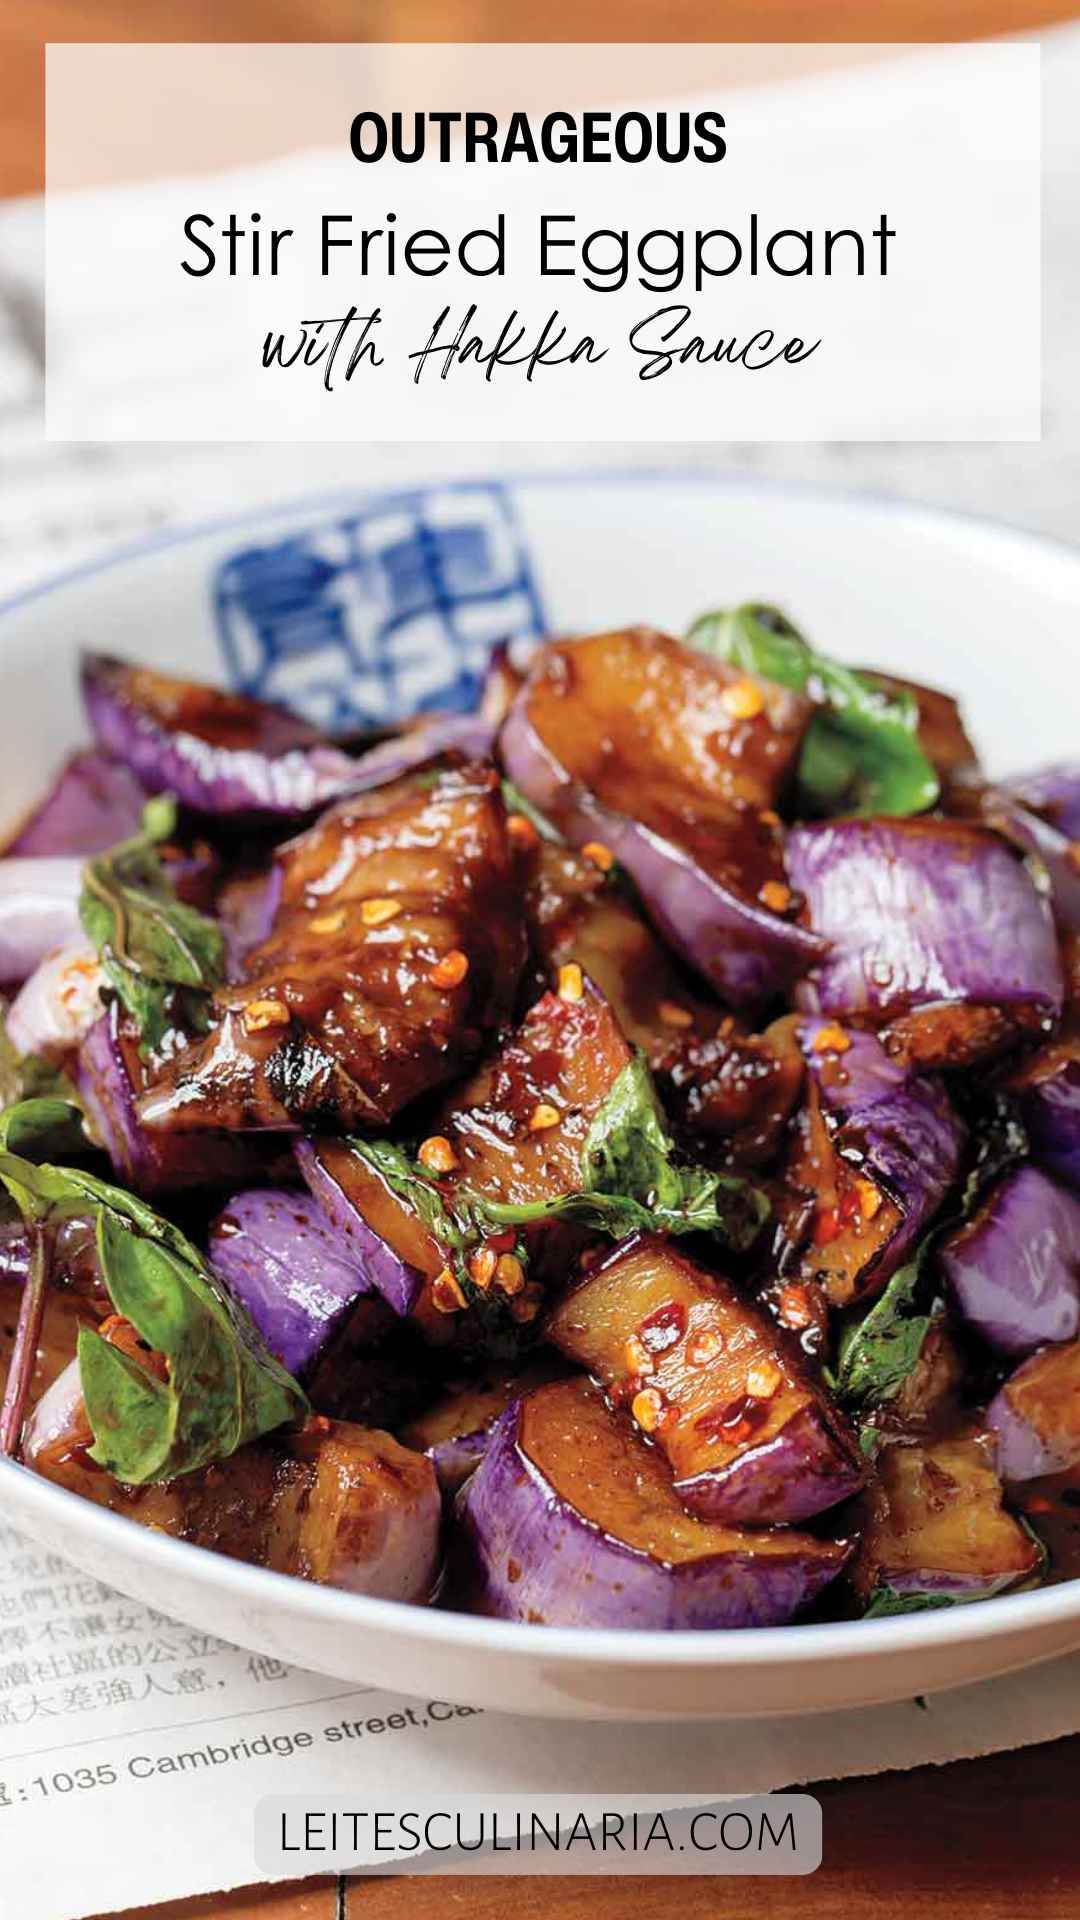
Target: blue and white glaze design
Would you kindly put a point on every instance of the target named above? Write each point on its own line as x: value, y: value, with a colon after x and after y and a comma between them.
x: 390, y: 610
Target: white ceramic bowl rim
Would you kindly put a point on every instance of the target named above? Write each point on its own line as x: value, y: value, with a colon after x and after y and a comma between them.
x: 327, y: 1606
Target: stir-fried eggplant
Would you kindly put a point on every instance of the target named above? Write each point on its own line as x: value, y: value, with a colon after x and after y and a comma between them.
x: 395, y: 946
x: 645, y: 752
x: 751, y: 1438
x: 624, y: 1123
x: 937, y: 1532
x: 571, y: 1520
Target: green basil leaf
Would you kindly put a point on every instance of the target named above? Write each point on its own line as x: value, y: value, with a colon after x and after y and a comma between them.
x: 881, y: 1350
x: 405, y: 1177
x: 224, y: 1387
x: 629, y: 1153
x: 758, y: 639
x: 162, y: 957
x: 37, y: 1128
x: 885, y: 1603
x: 861, y: 753
x: 878, y: 732
x: 515, y: 802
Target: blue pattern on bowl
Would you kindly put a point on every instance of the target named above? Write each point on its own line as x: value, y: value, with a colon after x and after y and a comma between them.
x: 390, y: 610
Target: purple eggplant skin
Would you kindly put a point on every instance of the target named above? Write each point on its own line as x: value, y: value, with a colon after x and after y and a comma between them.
x: 899, y: 1127
x: 808, y: 1467
x: 1013, y: 1270
x: 919, y: 912
x: 399, y: 1283
x: 39, y: 911
x: 1048, y: 1097
x: 279, y: 1257
x: 467, y: 734
x: 1035, y: 1415
x: 1053, y: 792
x: 245, y: 908
x: 524, y: 1551
x: 220, y: 754
x: 748, y: 954
x: 94, y: 802
x: 1050, y: 847
x: 154, y: 1163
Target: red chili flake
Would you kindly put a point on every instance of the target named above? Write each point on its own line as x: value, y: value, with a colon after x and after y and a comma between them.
x: 664, y: 1327
x: 826, y: 1226
x: 849, y: 1206
x: 734, y: 1422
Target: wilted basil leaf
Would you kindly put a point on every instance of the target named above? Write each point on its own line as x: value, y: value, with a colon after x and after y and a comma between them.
x: 162, y: 957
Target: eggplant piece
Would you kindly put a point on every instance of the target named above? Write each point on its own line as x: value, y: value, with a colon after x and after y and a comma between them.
x: 222, y: 754
x: 721, y: 1082
x: 571, y: 1520
x: 672, y: 763
x: 276, y: 1253
x: 937, y: 1531
x: 578, y: 915
x: 919, y: 913
x: 1053, y: 792
x: 1035, y: 1416
x: 343, y: 1505
x: 56, y: 1007
x: 39, y: 911
x: 395, y: 949
x: 455, y: 1430
x: 1013, y: 1269
x: 459, y: 736
x: 559, y: 1065
x: 93, y: 803
x: 380, y: 1232
x: 880, y: 1167
x: 1047, y: 1092
x: 110, y: 1077
x: 752, y: 1440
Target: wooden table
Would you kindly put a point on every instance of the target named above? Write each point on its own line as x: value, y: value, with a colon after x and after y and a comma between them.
x: 982, y: 1840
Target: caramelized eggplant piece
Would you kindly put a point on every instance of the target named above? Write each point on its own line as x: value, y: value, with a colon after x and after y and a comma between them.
x: 455, y: 1430
x: 343, y: 1505
x: 1036, y: 1415
x: 111, y: 1076
x: 672, y: 763
x: 751, y: 1439
x: 579, y: 915
x: 877, y: 1151
x: 220, y: 753
x: 395, y: 947
x: 924, y: 912
x: 571, y: 1520
x: 936, y: 1530
x: 513, y: 1133
x: 1014, y: 1268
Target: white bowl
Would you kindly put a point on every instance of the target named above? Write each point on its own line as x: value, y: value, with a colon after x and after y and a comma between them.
x: 370, y: 604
